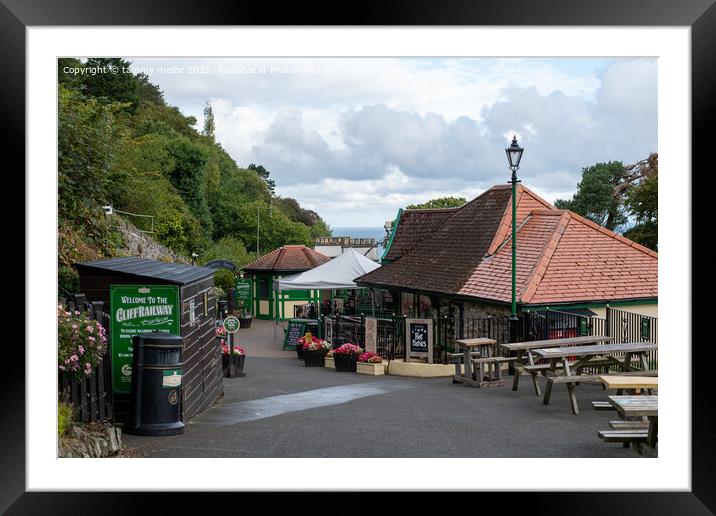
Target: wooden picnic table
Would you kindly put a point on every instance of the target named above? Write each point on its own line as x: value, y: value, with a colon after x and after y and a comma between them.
x: 632, y: 383
x: 482, y: 353
x: 585, y: 357
x: 645, y: 406
x: 524, y: 350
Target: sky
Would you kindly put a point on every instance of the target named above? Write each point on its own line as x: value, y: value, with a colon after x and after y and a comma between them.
x: 355, y: 139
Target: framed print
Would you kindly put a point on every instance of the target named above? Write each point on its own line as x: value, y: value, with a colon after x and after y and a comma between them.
x: 377, y: 156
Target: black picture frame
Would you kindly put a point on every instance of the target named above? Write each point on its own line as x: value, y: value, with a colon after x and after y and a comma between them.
x: 16, y: 15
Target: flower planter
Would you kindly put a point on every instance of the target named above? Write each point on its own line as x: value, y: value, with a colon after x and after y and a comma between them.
x: 345, y: 363
x: 370, y: 368
x: 239, y: 361
x: 245, y: 322
x: 314, y: 358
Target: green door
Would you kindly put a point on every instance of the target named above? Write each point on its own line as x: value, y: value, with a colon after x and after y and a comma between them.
x: 264, y: 297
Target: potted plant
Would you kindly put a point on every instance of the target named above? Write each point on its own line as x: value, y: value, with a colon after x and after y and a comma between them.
x: 328, y: 360
x: 308, y: 337
x: 370, y: 363
x: 314, y: 352
x: 238, y: 358
x: 245, y: 319
x: 346, y: 356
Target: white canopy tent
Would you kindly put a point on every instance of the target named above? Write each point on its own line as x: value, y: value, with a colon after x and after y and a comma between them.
x: 339, y: 273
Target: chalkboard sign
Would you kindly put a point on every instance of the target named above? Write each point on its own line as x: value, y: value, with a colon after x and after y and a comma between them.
x: 295, y: 330
x: 419, y: 339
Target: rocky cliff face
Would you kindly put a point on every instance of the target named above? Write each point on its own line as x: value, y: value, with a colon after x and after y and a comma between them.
x: 143, y: 245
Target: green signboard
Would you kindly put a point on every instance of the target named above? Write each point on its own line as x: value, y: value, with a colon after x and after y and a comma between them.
x: 243, y: 292
x: 137, y: 309
x: 231, y: 324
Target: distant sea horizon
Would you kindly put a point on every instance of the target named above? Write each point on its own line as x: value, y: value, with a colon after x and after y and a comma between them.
x: 360, y: 232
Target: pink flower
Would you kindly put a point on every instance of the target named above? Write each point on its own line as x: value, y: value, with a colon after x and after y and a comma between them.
x: 91, y: 339
x: 90, y: 329
x: 81, y: 350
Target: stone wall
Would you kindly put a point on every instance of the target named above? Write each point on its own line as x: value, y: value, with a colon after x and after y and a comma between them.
x: 90, y: 441
x: 143, y: 245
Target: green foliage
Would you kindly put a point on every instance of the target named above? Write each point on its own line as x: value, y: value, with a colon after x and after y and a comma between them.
x: 595, y: 198
x: 68, y: 279
x: 263, y: 174
x: 64, y: 418
x: 87, y: 141
x: 642, y: 201
x: 440, y: 202
x: 293, y: 210
x: 188, y: 178
x: 228, y: 248
x: 121, y: 144
x: 111, y: 81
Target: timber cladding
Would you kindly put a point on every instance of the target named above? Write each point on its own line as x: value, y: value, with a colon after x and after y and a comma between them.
x: 202, y: 374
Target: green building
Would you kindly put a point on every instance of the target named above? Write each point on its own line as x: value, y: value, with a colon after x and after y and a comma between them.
x: 265, y: 302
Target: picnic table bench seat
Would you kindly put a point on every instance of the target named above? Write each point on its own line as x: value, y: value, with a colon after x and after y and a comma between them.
x: 602, y: 405
x: 624, y: 436
x: 587, y: 378
x: 629, y: 425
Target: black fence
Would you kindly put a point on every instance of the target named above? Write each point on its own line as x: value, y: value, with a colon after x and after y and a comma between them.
x: 91, y: 397
x: 544, y: 325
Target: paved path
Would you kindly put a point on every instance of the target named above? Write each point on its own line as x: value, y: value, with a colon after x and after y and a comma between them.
x: 270, y: 412
x: 264, y: 339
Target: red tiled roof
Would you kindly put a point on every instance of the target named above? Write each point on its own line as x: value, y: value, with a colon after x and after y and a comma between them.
x: 414, y: 227
x: 296, y: 258
x: 443, y: 258
x: 561, y: 257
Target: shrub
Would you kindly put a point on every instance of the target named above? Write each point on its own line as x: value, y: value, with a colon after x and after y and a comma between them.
x: 64, y: 418
x: 81, y: 342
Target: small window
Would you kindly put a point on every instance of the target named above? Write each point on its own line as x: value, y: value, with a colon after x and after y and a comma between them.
x: 264, y: 291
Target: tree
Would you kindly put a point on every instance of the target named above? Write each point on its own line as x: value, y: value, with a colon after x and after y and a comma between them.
x: 440, y: 202
x: 111, y: 79
x: 209, y: 127
x: 642, y: 201
x: 188, y: 178
x: 263, y: 174
x: 87, y: 142
x: 596, y: 198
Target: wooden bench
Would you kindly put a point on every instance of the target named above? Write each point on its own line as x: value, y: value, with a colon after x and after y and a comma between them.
x: 629, y: 425
x: 602, y: 405
x: 573, y: 380
x: 624, y: 436
x: 535, y: 369
x: 487, y: 372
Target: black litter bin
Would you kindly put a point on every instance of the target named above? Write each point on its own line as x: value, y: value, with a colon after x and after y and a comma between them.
x: 156, y: 384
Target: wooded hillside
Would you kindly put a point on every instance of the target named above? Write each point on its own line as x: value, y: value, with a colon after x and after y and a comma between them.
x: 121, y: 144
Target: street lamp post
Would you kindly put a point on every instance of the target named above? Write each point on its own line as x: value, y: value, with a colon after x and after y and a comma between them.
x: 514, y: 155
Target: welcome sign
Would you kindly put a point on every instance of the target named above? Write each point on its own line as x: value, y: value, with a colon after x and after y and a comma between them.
x: 137, y: 309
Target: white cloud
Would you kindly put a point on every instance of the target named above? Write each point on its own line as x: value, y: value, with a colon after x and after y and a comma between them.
x: 355, y: 139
